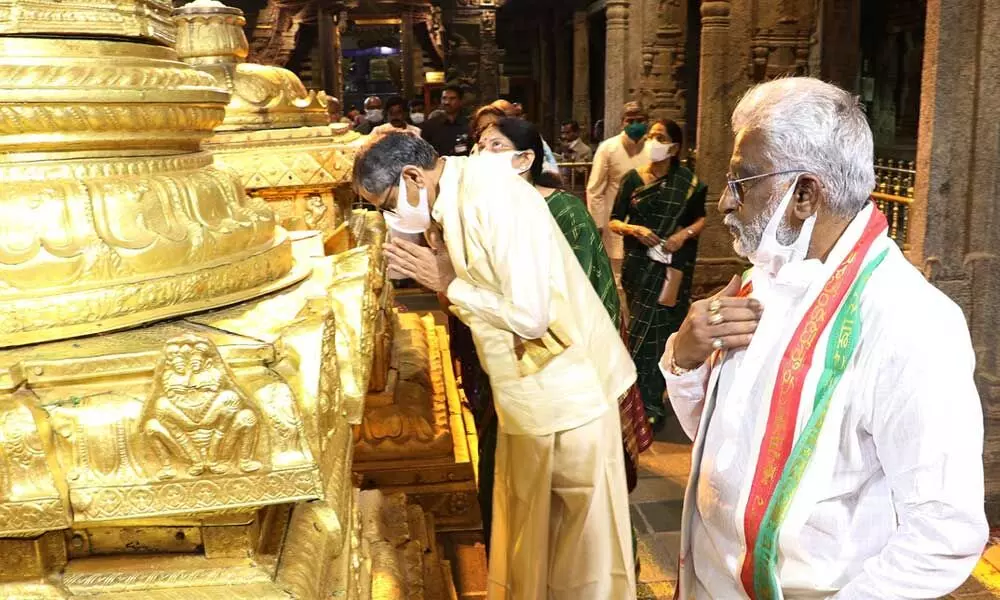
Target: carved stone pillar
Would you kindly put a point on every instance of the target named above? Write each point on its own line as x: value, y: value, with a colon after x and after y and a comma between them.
x: 780, y: 42
x: 472, y: 56
x: 955, y: 218
x: 581, y: 72
x: 717, y: 78
x: 662, y: 86
x: 489, y: 55
x: 564, y: 70
x: 329, y: 50
x: 407, y: 44
x: 615, y: 91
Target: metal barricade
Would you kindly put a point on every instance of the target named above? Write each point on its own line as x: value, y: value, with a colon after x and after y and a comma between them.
x: 893, y: 195
x: 574, y: 176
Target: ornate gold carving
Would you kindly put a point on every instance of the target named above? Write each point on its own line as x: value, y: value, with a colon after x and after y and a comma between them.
x: 136, y: 573
x: 30, y: 499
x: 144, y: 19
x: 411, y: 419
x: 354, y: 306
x: 113, y: 217
x: 91, y: 98
x: 197, y: 414
x: 315, y: 537
x: 210, y: 36
x: 287, y: 157
x: 414, y: 437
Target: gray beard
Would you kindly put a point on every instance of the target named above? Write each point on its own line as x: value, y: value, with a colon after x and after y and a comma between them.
x: 747, y: 237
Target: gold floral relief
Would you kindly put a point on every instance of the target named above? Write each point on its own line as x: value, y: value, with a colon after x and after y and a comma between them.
x: 31, y: 500
x: 143, y: 19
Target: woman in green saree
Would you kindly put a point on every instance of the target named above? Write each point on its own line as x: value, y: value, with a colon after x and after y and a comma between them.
x: 660, y: 211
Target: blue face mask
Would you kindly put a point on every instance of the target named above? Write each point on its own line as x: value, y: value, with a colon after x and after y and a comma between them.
x: 636, y: 130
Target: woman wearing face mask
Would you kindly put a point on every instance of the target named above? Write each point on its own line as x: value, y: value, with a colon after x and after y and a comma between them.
x: 660, y: 211
x: 516, y: 144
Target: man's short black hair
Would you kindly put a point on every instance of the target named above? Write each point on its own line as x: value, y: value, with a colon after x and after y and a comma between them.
x: 572, y: 125
x: 416, y: 102
x: 378, y: 166
x: 453, y: 88
x: 395, y: 101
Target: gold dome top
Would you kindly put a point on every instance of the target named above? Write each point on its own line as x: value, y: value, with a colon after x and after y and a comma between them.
x: 210, y: 36
x: 114, y: 216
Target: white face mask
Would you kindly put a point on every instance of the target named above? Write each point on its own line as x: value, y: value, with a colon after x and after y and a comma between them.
x: 416, y: 118
x: 771, y: 255
x: 503, y: 160
x: 658, y: 151
x: 409, y: 219
x: 374, y: 114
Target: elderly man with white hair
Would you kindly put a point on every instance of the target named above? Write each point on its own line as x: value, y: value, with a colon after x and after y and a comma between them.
x: 838, y: 431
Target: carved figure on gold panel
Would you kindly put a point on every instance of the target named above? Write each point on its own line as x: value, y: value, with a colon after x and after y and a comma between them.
x: 197, y: 413
x: 315, y: 211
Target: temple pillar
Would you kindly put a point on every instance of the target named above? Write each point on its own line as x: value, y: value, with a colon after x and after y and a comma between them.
x: 407, y: 43
x: 840, y: 43
x: 489, y: 55
x: 742, y: 43
x: 581, y: 72
x: 564, y: 70
x: 615, y: 91
x: 329, y: 51
x: 661, y: 82
x: 543, y: 73
x: 472, y: 56
x: 717, y: 79
x: 955, y: 219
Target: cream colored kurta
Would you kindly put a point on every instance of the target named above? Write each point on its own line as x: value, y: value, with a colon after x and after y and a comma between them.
x: 561, y: 524
x: 611, y: 163
x: 891, y: 504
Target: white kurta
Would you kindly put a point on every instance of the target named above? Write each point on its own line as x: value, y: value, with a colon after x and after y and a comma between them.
x: 560, y: 521
x: 891, y: 504
x: 611, y: 163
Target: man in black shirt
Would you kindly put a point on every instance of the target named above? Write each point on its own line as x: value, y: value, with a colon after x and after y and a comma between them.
x: 449, y: 133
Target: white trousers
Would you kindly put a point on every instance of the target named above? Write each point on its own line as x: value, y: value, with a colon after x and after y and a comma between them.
x: 560, y: 516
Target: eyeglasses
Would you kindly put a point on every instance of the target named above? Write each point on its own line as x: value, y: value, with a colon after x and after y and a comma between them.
x: 738, y: 190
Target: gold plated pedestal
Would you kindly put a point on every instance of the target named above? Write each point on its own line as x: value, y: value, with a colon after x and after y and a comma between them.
x: 178, y: 380
x: 109, y: 485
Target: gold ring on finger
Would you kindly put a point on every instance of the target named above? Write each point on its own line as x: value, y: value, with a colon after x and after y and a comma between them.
x: 715, y: 306
x: 718, y: 344
x: 716, y: 318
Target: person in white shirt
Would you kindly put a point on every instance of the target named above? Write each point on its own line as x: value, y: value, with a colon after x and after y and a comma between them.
x: 556, y: 362
x: 838, y: 431
x: 395, y: 110
x: 573, y: 148
x: 614, y: 158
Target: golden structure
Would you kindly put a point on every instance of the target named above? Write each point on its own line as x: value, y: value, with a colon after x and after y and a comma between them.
x: 417, y: 436
x: 178, y: 378
x: 275, y: 135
